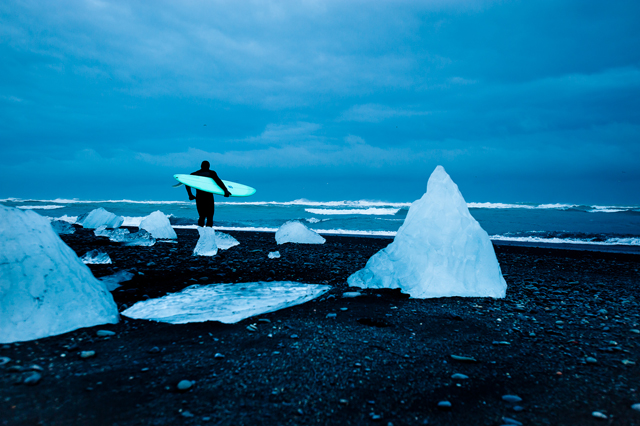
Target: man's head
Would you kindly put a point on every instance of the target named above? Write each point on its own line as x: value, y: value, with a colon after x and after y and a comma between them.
x: 205, y: 165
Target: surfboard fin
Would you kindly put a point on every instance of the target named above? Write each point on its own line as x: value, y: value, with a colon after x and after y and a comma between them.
x: 177, y: 185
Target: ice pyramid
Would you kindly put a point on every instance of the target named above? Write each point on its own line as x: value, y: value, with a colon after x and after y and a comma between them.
x: 439, y: 251
x: 45, y: 289
x: 296, y: 232
x: 158, y: 225
x: 206, y: 245
x: 100, y: 217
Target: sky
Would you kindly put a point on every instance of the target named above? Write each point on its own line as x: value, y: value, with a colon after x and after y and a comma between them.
x: 520, y: 101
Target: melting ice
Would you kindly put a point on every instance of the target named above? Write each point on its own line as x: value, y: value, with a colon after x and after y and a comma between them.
x: 46, y: 289
x: 96, y: 257
x: 440, y: 250
x: 206, y: 245
x: 100, y: 217
x: 157, y: 224
x: 296, y: 232
x: 227, y: 303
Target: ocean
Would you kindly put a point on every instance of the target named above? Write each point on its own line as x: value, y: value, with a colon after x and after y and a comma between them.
x: 603, y: 228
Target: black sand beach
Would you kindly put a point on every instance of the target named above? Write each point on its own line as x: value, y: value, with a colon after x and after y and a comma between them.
x: 565, y: 341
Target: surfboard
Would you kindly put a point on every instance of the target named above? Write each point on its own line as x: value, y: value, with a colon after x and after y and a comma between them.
x: 208, y: 185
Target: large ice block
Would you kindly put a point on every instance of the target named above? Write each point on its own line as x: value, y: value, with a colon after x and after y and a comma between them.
x: 45, y: 289
x: 228, y: 303
x: 206, y: 245
x: 296, y: 232
x: 158, y: 225
x: 225, y: 241
x: 440, y: 250
x: 100, y: 217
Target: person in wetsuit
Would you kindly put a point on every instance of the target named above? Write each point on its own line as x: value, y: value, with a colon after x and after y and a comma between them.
x: 204, y: 200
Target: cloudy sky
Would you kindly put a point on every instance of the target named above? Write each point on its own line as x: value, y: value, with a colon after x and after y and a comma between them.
x: 520, y: 101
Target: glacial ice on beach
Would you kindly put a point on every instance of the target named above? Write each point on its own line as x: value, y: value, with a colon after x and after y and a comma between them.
x: 206, y: 245
x: 61, y: 227
x: 100, y: 217
x: 158, y: 225
x: 140, y: 238
x: 296, y: 232
x: 122, y: 235
x: 225, y: 241
x: 96, y: 257
x: 46, y: 289
x: 274, y: 255
x: 111, y: 282
x: 227, y: 303
x: 439, y: 251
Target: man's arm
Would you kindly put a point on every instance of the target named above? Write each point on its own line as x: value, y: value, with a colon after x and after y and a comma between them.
x: 219, y: 182
x: 191, y: 197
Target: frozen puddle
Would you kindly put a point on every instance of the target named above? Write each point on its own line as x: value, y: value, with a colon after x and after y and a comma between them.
x: 228, y: 303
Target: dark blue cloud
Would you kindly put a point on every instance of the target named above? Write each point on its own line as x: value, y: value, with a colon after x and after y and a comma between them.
x: 520, y: 101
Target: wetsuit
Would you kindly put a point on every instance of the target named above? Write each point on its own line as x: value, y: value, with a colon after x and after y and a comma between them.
x: 204, y: 200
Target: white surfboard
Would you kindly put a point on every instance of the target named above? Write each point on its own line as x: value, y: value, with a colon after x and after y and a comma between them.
x: 208, y: 185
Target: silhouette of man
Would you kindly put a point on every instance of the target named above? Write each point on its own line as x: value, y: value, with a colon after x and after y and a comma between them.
x: 204, y: 200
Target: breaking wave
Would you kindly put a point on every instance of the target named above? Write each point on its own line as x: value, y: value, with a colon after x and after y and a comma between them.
x: 368, y: 211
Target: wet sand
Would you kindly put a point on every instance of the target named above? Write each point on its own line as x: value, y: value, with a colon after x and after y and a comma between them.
x: 564, y: 341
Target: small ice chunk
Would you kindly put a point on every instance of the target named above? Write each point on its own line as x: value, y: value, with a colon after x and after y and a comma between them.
x: 102, y: 231
x: 45, y: 290
x: 225, y: 241
x: 227, y: 303
x: 96, y: 257
x: 274, y: 255
x: 140, y: 238
x: 439, y: 251
x: 99, y: 217
x: 206, y: 245
x: 158, y: 225
x: 296, y: 232
x: 111, y: 282
x: 61, y: 227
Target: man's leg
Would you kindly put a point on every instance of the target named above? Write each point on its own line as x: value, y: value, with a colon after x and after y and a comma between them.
x: 210, y: 211
x: 201, y: 212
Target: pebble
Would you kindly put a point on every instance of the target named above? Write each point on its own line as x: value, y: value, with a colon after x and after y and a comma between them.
x: 105, y: 333
x: 444, y: 405
x: 344, y: 401
x: 33, y: 379
x: 294, y: 336
x: 517, y: 408
x: 344, y: 309
x: 501, y: 342
x: 511, y: 398
x: 87, y: 354
x: 265, y: 320
x: 4, y: 360
x: 636, y: 407
x: 218, y: 356
x: 332, y: 315
x: 463, y: 358
x: 186, y: 413
x: 154, y: 350
x: 635, y: 330
x: 628, y: 362
x: 252, y: 327
x: 184, y: 385
x: 459, y: 376
x: 510, y: 421
x: 599, y: 415
x: 349, y: 294
x: 591, y: 360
